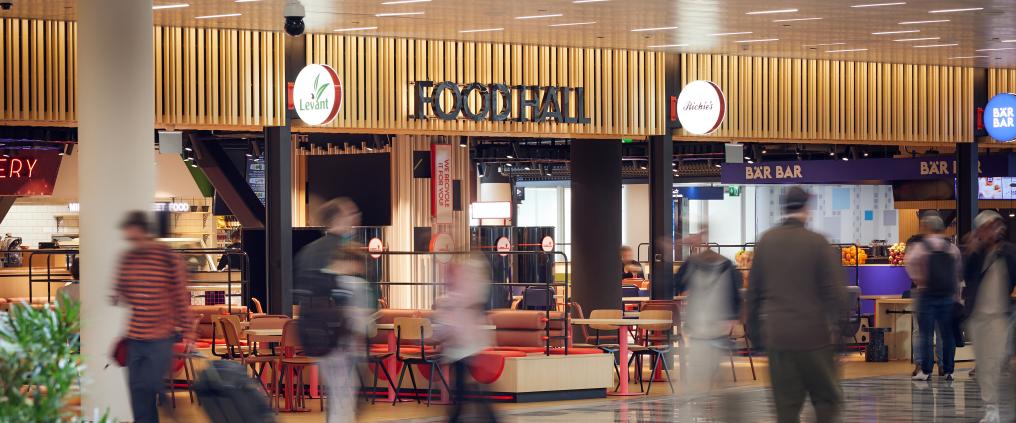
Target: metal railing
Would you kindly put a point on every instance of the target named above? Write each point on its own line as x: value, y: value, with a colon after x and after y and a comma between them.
x: 549, y: 256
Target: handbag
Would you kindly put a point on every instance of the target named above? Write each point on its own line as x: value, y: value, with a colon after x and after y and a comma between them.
x: 119, y: 353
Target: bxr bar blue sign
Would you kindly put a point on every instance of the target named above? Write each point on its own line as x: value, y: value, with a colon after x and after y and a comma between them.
x: 1000, y: 117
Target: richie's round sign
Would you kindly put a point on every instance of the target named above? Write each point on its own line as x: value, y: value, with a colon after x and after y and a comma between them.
x: 701, y: 107
x: 317, y: 94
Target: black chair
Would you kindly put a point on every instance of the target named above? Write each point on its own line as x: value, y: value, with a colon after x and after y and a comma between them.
x: 852, y: 324
x: 656, y: 352
x: 416, y: 329
x: 377, y: 359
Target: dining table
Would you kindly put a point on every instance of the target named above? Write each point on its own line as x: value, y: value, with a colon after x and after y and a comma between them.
x: 625, y: 325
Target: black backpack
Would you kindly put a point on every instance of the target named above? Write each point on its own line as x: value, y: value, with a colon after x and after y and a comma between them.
x: 941, y: 272
x: 324, y: 320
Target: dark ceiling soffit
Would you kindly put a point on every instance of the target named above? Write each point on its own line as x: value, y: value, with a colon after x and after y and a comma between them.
x: 229, y: 183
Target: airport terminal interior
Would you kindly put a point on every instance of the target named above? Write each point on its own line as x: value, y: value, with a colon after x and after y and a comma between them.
x: 516, y: 211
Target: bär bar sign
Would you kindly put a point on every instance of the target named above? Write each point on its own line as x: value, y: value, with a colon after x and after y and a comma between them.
x: 1000, y: 117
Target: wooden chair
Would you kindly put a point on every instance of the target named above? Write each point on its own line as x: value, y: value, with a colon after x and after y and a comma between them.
x: 183, y: 360
x: 259, y: 358
x: 217, y: 333
x: 656, y: 351
x: 416, y: 329
x: 291, y: 361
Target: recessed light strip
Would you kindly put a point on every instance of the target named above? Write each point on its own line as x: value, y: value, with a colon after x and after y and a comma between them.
x: 387, y: 3
x: 966, y: 9
x: 824, y: 44
x: 903, y: 40
x: 225, y: 15
x: 797, y: 19
x: 923, y: 22
x: 170, y: 6
x: 724, y: 34
x: 467, y: 31
x: 668, y: 45
x: 898, y: 3
x: 588, y: 1
x: 769, y: 12
x: 763, y: 40
x: 997, y: 49
x: 392, y: 14
x: 937, y: 45
x: 848, y: 50
x: 574, y: 24
x: 968, y: 57
x: 363, y: 28
x: 553, y: 15
x: 906, y: 31
x: 662, y: 28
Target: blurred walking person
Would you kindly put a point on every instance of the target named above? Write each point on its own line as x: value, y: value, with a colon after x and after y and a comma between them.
x: 935, y: 265
x: 330, y: 290
x: 796, y: 301
x: 152, y: 281
x: 989, y: 272
x: 712, y: 284
x: 459, y: 314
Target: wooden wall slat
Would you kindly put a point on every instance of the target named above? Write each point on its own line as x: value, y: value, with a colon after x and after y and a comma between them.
x: 778, y: 99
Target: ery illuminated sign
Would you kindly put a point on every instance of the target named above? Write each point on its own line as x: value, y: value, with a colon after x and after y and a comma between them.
x: 499, y: 102
x: 30, y: 172
x: 1000, y: 117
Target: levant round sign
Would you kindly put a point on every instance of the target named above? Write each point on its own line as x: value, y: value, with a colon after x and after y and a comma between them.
x: 701, y: 107
x: 317, y: 94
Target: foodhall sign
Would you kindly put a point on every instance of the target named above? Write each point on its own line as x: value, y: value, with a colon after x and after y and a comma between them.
x: 31, y: 172
x: 499, y: 102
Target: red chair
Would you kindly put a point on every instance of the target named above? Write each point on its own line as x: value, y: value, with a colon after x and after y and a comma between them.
x: 293, y: 363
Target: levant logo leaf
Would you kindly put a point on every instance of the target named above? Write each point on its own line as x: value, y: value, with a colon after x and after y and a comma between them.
x: 317, y: 94
x: 1000, y: 117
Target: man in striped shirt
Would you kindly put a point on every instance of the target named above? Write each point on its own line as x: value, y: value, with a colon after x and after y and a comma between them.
x: 152, y: 280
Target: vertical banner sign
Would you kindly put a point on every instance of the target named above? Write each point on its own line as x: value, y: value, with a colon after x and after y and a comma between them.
x: 441, y: 183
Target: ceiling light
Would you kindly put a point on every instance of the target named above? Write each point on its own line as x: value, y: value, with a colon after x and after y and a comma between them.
x: 865, y: 154
x: 193, y: 165
x: 362, y: 28
x: 767, y: 12
x: 467, y: 31
x: 388, y: 15
x: 750, y: 161
x: 717, y: 165
x: 574, y: 24
x: 906, y: 31
x: 527, y: 168
x: 997, y: 49
x: 553, y: 15
x: 898, y: 3
x: 966, y: 9
x: 848, y: 50
x: 824, y: 44
x: 763, y: 40
x: 662, y: 28
x: 797, y: 19
x: 227, y: 15
x: 937, y: 45
x: 588, y: 1
x: 903, y: 40
x: 170, y: 6
x: 845, y: 158
x: 1009, y: 41
x: 643, y: 167
x: 1012, y: 214
x: 723, y: 34
x: 923, y: 22
x: 967, y: 57
x: 404, y: 2
x: 245, y: 1
x: 668, y: 45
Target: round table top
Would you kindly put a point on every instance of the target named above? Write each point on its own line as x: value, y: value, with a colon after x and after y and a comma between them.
x: 264, y: 332
x: 621, y: 322
x: 391, y: 326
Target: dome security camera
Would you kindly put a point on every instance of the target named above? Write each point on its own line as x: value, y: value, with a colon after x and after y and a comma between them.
x: 6, y: 5
x: 294, y: 13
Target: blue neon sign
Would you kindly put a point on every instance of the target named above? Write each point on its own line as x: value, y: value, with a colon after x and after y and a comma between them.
x: 1000, y: 117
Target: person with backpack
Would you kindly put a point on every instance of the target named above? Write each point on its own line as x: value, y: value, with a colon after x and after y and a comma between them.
x: 935, y: 264
x: 989, y: 273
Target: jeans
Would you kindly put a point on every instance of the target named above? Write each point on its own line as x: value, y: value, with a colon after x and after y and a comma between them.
x: 918, y: 357
x: 338, y: 370
x: 935, y: 314
x: 148, y: 363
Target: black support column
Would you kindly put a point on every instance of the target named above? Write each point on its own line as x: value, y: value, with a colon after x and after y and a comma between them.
x: 279, y: 234
x: 661, y: 215
x: 966, y: 188
x: 596, y: 223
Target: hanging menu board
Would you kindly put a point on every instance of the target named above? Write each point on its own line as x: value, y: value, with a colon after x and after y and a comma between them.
x: 256, y: 176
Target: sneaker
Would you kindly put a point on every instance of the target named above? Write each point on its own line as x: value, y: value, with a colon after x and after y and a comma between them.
x: 949, y: 377
x: 921, y: 376
x: 990, y: 414
x: 917, y: 368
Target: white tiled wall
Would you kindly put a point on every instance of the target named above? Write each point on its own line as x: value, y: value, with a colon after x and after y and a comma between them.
x: 35, y: 222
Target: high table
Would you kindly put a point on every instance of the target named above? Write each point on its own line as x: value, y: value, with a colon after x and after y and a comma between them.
x: 625, y: 325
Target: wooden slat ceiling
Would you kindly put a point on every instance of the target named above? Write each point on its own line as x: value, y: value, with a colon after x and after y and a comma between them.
x: 610, y: 24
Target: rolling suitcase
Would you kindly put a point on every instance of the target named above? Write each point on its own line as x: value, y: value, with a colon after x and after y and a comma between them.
x: 229, y: 395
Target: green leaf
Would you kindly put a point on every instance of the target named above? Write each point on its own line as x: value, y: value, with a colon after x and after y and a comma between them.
x: 316, y: 81
x: 321, y: 90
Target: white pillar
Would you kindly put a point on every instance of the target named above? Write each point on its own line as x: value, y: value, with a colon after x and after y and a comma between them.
x: 116, y: 173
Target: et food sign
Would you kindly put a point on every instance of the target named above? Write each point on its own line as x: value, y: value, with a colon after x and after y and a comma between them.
x: 1000, y: 117
x: 317, y: 94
